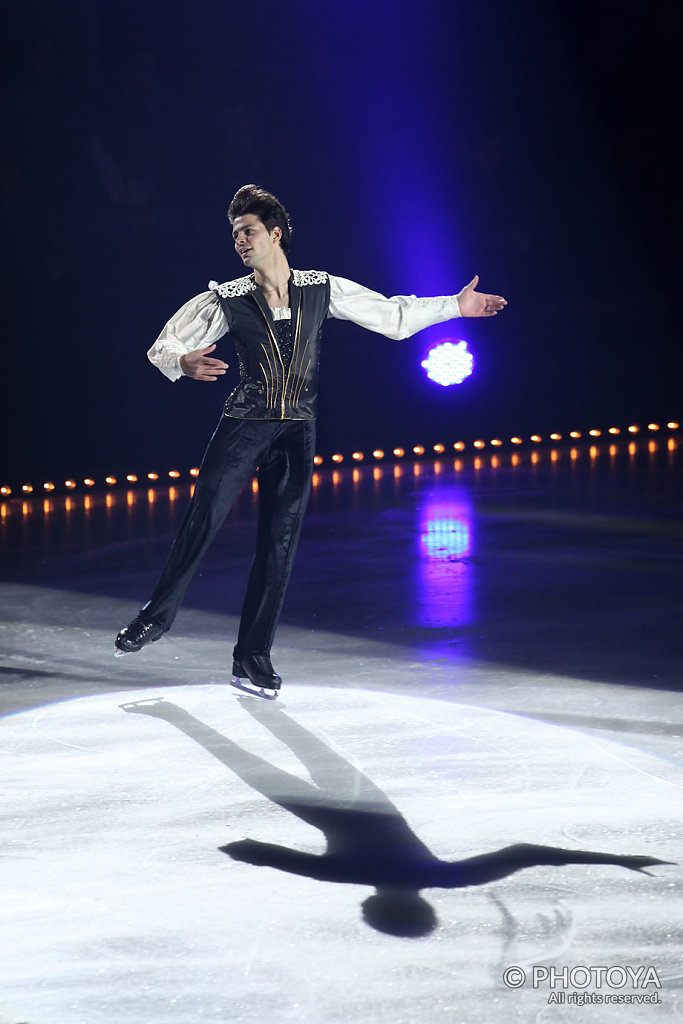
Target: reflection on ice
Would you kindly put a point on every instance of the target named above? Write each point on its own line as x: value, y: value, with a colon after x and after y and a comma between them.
x: 443, y: 567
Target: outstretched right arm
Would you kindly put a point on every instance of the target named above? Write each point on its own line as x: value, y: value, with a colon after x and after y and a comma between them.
x: 181, y: 348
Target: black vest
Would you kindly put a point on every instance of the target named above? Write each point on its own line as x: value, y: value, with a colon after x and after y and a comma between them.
x: 268, y: 391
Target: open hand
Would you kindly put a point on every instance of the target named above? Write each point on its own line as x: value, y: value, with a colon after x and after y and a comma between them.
x: 199, y: 366
x: 474, y: 303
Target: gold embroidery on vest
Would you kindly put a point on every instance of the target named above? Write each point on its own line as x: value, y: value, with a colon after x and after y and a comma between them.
x: 279, y: 354
x: 301, y: 381
x: 270, y: 391
x: 297, y: 336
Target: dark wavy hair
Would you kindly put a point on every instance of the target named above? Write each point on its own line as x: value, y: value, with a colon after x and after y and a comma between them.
x: 268, y: 209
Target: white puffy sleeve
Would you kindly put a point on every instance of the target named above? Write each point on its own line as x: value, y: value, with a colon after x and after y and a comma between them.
x: 397, y: 317
x: 198, y: 323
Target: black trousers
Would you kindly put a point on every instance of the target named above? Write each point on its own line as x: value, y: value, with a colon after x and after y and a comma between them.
x: 283, y: 450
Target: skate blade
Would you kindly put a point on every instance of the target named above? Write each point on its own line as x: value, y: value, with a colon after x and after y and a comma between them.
x: 120, y: 654
x: 253, y: 691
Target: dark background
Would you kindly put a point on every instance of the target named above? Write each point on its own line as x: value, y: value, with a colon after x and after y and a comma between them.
x: 413, y: 144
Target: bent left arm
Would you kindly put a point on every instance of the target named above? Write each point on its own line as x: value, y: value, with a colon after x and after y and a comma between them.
x: 401, y: 316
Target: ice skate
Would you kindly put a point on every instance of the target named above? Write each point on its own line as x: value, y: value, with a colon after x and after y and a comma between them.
x: 135, y: 635
x: 254, y: 674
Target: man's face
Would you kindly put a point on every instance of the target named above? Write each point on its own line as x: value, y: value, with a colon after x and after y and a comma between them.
x: 253, y: 244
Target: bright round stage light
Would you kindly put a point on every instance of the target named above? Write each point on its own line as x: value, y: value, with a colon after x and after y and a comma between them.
x: 448, y: 363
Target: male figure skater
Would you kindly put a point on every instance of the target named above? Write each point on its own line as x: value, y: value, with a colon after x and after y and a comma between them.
x: 275, y: 316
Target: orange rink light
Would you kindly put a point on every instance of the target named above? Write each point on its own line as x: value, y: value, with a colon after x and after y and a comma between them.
x: 378, y: 453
